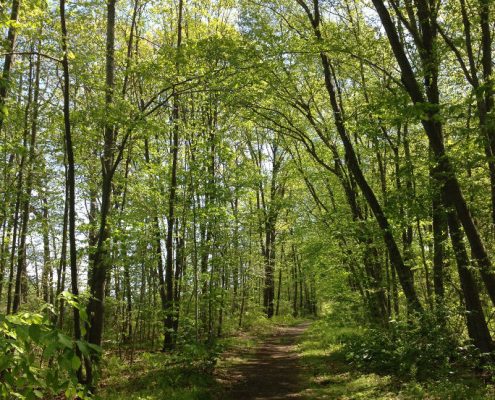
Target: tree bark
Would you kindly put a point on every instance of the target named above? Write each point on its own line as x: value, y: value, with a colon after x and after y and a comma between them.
x: 403, y: 272
x: 8, y: 59
x: 101, y: 257
x: 32, y: 116
x: 70, y: 180
x: 433, y: 129
x: 476, y: 323
x: 168, y: 341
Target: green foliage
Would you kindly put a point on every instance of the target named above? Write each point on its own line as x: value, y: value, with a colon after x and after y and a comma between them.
x: 246, y: 79
x: 324, y: 352
x: 24, y: 338
x: 37, y: 359
x: 421, y: 348
x: 182, y: 375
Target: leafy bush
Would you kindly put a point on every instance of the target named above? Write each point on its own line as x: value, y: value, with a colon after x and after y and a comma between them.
x: 37, y: 360
x: 203, y: 357
x: 417, y: 349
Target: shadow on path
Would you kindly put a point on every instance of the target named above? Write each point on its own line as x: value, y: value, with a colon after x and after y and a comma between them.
x: 272, y: 373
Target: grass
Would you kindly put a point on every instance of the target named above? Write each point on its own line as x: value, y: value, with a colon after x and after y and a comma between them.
x: 156, y: 376
x: 186, y: 374
x: 328, y: 374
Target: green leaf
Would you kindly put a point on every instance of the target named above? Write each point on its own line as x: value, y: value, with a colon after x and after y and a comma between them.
x: 35, y: 333
x: 94, y: 347
x: 83, y: 346
x: 70, y: 392
x: 4, y: 362
x: 75, y: 362
x: 83, y: 315
x: 64, y: 340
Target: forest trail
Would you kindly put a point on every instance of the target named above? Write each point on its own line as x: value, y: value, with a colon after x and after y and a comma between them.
x: 273, y: 372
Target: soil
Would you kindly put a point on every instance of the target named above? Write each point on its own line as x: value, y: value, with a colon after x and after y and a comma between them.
x: 271, y: 373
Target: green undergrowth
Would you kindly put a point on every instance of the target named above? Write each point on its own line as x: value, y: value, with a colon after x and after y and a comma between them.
x: 179, y: 376
x: 337, y: 360
x: 188, y: 372
x: 261, y: 326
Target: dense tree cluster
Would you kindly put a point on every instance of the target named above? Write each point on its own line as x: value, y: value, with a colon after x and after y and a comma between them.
x: 183, y: 167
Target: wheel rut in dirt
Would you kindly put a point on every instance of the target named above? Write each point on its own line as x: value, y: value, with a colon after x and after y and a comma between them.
x: 273, y: 372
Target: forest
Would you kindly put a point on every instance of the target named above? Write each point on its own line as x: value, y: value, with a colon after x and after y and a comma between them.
x: 247, y: 199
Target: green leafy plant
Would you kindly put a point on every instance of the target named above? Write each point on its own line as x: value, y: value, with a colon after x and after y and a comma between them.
x: 36, y: 359
x: 418, y: 349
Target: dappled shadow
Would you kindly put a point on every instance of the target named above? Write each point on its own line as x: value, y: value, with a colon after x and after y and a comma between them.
x: 155, y: 380
x: 330, y: 377
x: 272, y: 373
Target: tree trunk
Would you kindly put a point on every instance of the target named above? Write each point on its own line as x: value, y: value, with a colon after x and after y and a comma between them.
x: 26, y: 198
x: 403, y: 272
x: 70, y: 182
x: 101, y: 257
x: 46, y: 282
x: 477, y: 327
x: 168, y: 341
x: 8, y: 59
x: 433, y: 129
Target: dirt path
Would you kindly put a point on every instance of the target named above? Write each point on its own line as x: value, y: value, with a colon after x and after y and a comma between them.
x: 272, y: 373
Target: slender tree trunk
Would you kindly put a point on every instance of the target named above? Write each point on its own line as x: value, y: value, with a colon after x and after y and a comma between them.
x: 485, y: 113
x: 477, y: 327
x: 179, y: 271
x: 70, y: 180
x: 59, y: 304
x: 403, y: 272
x: 26, y: 196
x: 46, y: 282
x: 279, y: 287
x: 432, y: 127
x: 6, y: 237
x: 439, y: 224
x: 295, y: 280
x: 168, y: 342
x: 14, y: 244
x: 8, y: 59
x: 101, y: 257
x: 157, y: 247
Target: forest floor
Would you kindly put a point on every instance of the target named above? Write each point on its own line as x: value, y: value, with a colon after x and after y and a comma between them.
x: 305, y: 361
x: 272, y: 372
x: 302, y: 360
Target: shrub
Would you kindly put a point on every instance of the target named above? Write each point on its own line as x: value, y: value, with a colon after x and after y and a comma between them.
x: 418, y: 349
x: 37, y: 360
